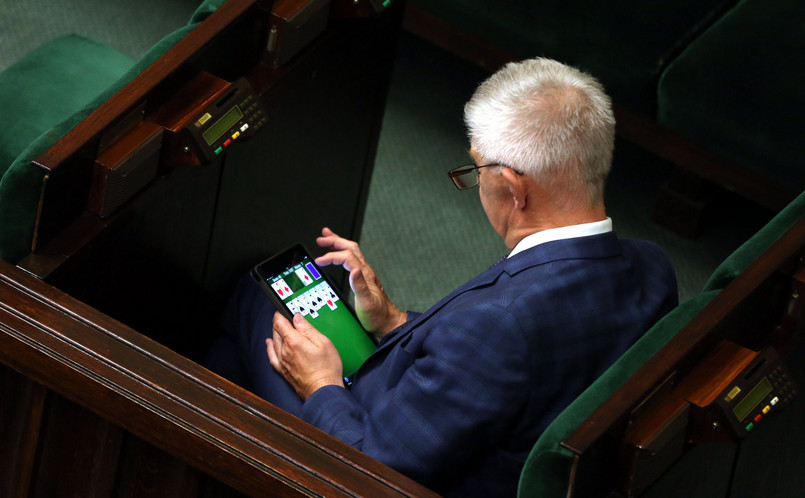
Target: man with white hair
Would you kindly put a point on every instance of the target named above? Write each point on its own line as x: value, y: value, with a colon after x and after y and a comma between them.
x: 456, y: 397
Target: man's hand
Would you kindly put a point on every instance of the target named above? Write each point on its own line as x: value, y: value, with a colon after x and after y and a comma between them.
x: 375, y: 310
x: 306, y: 358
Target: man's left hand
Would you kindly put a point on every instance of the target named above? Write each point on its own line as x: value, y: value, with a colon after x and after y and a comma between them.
x: 303, y: 355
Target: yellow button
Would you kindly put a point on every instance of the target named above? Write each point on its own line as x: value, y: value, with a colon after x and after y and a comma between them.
x: 203, y: 119
x: 235, y: 135
x: 766, y: 410
x: 731, y: 395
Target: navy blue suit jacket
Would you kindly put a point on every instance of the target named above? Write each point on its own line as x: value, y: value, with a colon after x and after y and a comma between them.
x: 457, y: 396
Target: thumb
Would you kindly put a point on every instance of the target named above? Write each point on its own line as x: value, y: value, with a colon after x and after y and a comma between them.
x: 302, y: 325
x: 358, y: 282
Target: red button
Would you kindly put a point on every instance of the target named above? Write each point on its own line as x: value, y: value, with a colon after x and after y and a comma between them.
x: 227, y: 142
x: 759, y: 416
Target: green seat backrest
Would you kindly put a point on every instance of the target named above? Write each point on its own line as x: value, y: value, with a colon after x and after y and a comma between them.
x: 738, y: 89
x: 74, y: 76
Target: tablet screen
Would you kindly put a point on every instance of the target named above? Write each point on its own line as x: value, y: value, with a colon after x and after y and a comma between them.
x: 301, y: 287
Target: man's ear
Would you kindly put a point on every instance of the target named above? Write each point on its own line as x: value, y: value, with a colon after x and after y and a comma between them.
x: 515, y: 182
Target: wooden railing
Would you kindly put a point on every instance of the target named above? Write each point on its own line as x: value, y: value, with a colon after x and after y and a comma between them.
x: 164, y: 399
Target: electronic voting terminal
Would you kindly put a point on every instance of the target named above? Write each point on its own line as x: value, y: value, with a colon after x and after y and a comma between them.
x: 763, y: 387
x: 236, y: 115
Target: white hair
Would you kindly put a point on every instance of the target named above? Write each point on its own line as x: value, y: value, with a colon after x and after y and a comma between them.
x: 547, y: 120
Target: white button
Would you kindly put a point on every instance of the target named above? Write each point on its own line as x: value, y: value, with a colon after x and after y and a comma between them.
x: 774, y: 401
x: 244, y: 127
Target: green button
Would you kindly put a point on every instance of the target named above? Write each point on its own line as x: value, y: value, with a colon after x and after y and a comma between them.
x: 219, y: 150
x: 749, y: 427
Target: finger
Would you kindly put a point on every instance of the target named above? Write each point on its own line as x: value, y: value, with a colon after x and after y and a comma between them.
x: 332, y: 239
x: 273, y: 357
x: 292, y: 336
x: 334, y: 244
x: 284, y: 334
x: 328, y: 238
x: 280, y: 325
x: 344, y: 258
x: 357, y: 281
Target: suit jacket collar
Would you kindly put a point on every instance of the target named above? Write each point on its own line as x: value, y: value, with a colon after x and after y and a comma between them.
x: 591, y: 247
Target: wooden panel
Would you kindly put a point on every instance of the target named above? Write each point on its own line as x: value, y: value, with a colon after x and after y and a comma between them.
x: 78, y: 452
x: 704, y: 471
x: 146, y: 471
x: 173, y: 403
x: 21, y: 405
x: 147, y: 270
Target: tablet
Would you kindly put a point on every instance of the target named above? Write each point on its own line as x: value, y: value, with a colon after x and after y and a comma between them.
x: 295, y: 284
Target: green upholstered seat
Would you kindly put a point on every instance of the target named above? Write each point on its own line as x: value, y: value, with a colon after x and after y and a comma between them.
x: 739, y: 89
x: 102, y: 71
x: 39, y: 93
x: 50, y: 84
x: 547, y: 470
x: 625, y: 44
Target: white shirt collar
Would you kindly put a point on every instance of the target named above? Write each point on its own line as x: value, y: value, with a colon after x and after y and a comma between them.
x: 568, y: 232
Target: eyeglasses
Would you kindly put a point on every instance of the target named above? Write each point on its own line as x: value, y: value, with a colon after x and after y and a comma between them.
x: 465, y: 177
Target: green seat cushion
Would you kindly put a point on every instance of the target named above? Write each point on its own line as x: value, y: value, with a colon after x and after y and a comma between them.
x: 547, y: 469
x: 51, y: 83
x: 21, y: 183
x: 751, y: 250
x: 625, y: 44
x: 739, y: 89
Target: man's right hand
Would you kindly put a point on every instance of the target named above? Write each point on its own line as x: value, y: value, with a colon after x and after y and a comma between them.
x: 375, y: 310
